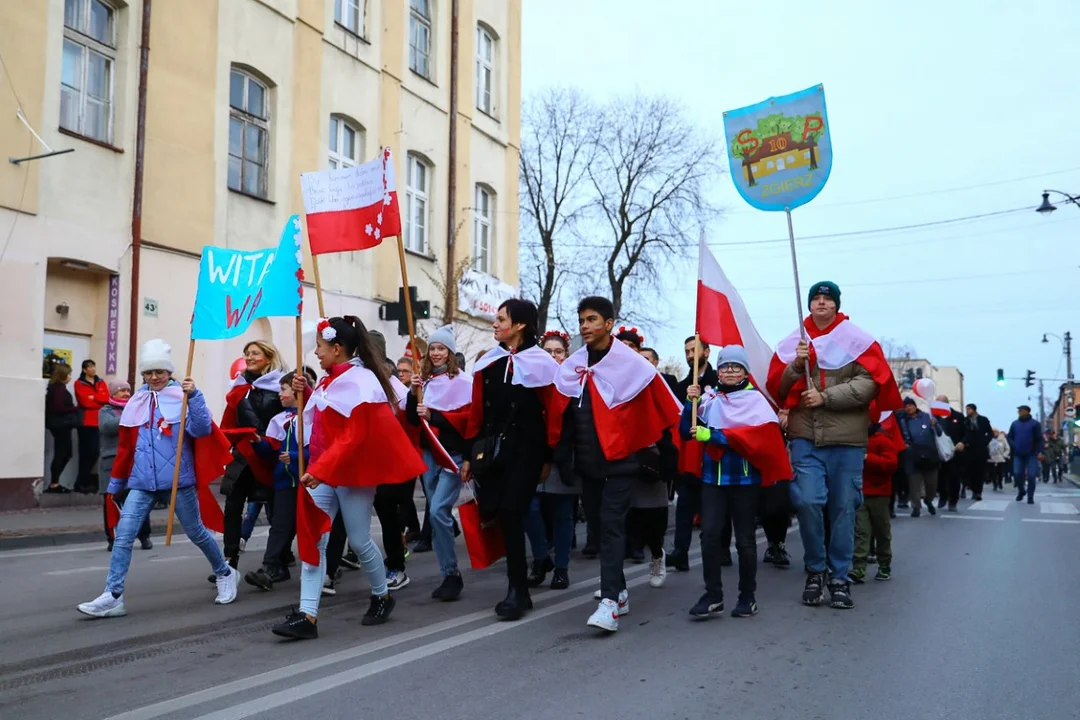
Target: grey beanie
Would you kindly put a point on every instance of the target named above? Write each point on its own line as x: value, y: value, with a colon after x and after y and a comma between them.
x: 444, y: 336
x: 733, y: 354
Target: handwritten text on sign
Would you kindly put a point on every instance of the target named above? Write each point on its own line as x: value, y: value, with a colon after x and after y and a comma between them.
x: 238, y: 286
x: 346, y: 189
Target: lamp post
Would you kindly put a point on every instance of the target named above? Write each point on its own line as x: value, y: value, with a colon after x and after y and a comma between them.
x: 1066, y: 346
x: 1047, y: 207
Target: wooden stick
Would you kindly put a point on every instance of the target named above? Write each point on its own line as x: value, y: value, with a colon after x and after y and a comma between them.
x: 299, y: 400
x: 409, y: 314
x: 179, y: 447
x: 318, y: 285
x: 697, y: 380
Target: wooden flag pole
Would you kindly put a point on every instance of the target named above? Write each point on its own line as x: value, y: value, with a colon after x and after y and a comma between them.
x: 300, y: 399
x: 697, y: 380
x: 179, y: 447
x: 318, y: 283
x: 409, y: 313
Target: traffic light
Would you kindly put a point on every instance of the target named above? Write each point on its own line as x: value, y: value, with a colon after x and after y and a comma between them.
x: 1029, y: 379
x: 1001, y: 378
x: 396, y: 311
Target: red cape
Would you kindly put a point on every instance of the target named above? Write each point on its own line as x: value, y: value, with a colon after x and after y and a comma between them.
x: 241, y: 437
x: 872, y: 359
x: 211, y: 455
x: 760, y: 445
x: 626, y: 428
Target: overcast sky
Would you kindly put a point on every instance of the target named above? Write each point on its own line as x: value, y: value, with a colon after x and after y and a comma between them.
x: 925, y: 101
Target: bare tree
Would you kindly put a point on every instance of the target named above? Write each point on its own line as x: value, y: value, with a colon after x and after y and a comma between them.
x: 559, y: 131
x: 650, y: 177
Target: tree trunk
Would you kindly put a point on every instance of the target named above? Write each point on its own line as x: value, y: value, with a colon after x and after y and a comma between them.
x: 813, y: 154
x: 749, y: 171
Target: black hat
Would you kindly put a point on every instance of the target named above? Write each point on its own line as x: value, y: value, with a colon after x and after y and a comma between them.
x: 1024, y: 407
x: 910, y: 401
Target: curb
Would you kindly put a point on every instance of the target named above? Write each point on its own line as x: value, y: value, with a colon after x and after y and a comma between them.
x: 66, y: 537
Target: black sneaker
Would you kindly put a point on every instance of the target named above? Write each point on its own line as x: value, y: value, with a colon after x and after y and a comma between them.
x: 840, y: 596
x: 350, y: 560
x: 1031, y: 501
x: 770, y: 555
x: 297, y: 626
x: 379, y: 610
x: 916, y: 512
x: 902, y: 506
x: 560, y: 579
x: 422, y: 546
x: 783, y: 560
x: 1020, y: 497
x: 977, y: 498
x: 678, y: 561
x: 814, y: 591
x: 540, y: 569
x: 707, y: 607
x: 746, y: 607
x: 450, y: 589
x: 146, y: 544
x: 260, y: 578
x: 930, y: 507
x: 952, y: 508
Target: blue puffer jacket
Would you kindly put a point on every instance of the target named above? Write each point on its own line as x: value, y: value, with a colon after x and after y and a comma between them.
x: 155, y: 453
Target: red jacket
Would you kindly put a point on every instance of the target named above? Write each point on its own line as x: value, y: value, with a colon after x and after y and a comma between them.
x: 880, y: 464
x: 91, y: 395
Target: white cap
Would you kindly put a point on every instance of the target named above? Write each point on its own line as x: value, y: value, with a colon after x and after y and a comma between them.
x: 156, y: 355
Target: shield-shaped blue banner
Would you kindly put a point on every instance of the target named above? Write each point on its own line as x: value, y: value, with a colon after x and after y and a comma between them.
x: 780, y: 149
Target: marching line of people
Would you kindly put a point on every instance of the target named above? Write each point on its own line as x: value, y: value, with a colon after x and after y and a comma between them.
x: 533, y: 431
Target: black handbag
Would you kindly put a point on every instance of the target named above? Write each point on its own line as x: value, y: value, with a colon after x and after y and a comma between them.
x: 648, y: 459
x: 486, y: 456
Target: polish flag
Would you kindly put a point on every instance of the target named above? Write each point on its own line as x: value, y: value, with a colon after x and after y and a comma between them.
x: 752, y: 429
x: 722, y: 318
x: 351, y: 208
x: 940, y: 409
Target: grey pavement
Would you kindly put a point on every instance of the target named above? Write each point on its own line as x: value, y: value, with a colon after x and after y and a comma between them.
x: 978, y: 622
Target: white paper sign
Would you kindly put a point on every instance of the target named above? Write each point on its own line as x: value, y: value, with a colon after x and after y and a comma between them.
x: 480, y: 294
x: 345, y: 189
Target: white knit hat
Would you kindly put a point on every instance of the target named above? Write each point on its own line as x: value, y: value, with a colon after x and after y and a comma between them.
x: 156, y: 355
x: 444, y: 336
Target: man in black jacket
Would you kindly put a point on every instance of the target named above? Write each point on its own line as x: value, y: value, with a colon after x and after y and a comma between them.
x: 688, y: 486
x: 951, y: 474
x: 976, y: 452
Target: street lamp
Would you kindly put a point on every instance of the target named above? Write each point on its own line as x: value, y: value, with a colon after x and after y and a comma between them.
x: 1047, y: 207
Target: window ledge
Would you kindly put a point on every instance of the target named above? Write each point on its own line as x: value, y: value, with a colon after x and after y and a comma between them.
x: 92, y: 141
x: 253, y: 197
x: 351, y: 34
x: 422, y: 256
x: 426, y: 79
x: 490, y: 116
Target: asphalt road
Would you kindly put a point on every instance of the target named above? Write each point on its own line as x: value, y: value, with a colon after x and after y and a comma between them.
x: 979, y: 621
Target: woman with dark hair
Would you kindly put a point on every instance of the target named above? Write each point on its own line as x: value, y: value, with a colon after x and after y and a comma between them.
x: 507, y: 425
x: 91, y: 394
x: 356, y: 445
x: 61, y: 417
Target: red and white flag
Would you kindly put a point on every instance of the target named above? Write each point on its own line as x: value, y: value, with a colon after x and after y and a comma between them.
x: 722, y: 318
x: 351, y: 208
x: 752, y: 429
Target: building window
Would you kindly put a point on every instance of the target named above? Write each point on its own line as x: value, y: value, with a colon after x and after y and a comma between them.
x: 485, y: 70
x: 346, y: 143
x: 351, y: 15
x: 86, y: 76
x: 417, y: 189
x: 249, y: 132
x: 420, y: 37
x: 483, y: 229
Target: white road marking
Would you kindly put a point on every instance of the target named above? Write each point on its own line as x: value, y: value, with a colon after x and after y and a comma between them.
x: 973, y: 517
x: 1048, y: 520
x: 73, y: 571
x: 990, y: 505
x: 173, y: 558
x: 1058, y: 508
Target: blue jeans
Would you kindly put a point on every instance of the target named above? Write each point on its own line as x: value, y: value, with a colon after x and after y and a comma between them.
x: 829, y: 476
x: 1026, y: 467
x: 562, y: 509
x: 251, y: 516
x: 136, y: 509
x: 443, y: 488
x: 355, y: 504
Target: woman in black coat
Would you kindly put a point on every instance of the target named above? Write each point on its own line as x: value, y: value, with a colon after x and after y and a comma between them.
x: 510, y: 454
x: 61, y: 418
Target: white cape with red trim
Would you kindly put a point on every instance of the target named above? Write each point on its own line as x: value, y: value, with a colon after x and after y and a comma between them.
x: 533, y: 368
x: 742, y: 408
x: 619, y: 377
x: 446, y: 394
x: 840, y: 347
x: 269, y: 381
x: 168, y: 400
x: 342, y: 394
x: 276, y: 429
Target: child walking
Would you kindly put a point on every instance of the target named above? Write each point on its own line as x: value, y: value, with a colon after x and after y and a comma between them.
x: 872, y: 518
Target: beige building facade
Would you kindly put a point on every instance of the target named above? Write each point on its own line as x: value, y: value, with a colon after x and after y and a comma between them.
x: 241, y: 97
x: 948, y: 379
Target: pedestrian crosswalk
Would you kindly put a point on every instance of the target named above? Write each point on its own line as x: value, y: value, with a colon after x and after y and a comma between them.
x: 1061, y: 507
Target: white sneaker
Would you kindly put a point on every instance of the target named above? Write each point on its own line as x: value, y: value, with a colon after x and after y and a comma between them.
x: 226, y: 588
x: 104, y: 605
x: 243, y: 545
x: 658, y: 570
x: 606, y: 616
x: 624, y: 600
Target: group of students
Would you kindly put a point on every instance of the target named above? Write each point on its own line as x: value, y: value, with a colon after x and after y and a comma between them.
x: 533, y: 428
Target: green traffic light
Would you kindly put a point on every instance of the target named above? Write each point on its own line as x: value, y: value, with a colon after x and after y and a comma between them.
x: 1001, y: 377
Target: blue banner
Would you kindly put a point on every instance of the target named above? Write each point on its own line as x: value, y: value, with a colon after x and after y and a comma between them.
x: 780, y: 150
x: 238, y: 286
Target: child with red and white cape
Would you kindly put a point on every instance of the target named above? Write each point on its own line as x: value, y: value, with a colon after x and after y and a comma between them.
x: 356, y: 445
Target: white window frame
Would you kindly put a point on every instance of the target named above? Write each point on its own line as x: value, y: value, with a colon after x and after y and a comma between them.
x: 352, y: 15
x: 80, y: 37
x: 417, y: 205
x: 483, y: 230
x: 339, y: 126
x: 420, y: 58
x: 485, y: 71
x: 251, y: 123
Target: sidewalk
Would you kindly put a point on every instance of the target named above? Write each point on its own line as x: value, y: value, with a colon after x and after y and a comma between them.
x: 20, y: 529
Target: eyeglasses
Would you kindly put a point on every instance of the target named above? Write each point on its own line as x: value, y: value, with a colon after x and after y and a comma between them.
x: 731, y: 367
x: 154, y: 373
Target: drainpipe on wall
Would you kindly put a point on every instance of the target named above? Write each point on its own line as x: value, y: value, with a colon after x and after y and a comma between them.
x: 451, y: 192
x: 137, y: 195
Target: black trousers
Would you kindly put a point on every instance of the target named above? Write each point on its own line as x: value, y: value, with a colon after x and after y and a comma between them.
x: 687, y: 506
x: 975, y: 474
x: 950, y: 478
x: 282, y: 529
x: 89, y: 450
x: 120, y: 497
x: 389, y: 500
x: 408, y: 518
x: 591, y: 500
x: 616, y: 492
x: 648, y: 526
x: 335, y: 545
x: 514, y: 494
x: 775, y: 527
x: 61, y: 454
x: 723, y: 505
x: 244, y: 489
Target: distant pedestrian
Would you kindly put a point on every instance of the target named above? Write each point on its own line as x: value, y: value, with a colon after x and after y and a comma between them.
x: 1051, y: 466
x: 951, y: 476
x: 977, y: 436
x: 91, y: 394
x: 109, y: 427
x: 1026, y: 445
x: 999, y: 460
x: 872, y: 522
x: 62, y: 416
x: 921, y: 464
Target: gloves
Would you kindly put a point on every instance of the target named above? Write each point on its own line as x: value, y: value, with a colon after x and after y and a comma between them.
x: 702, y: 434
